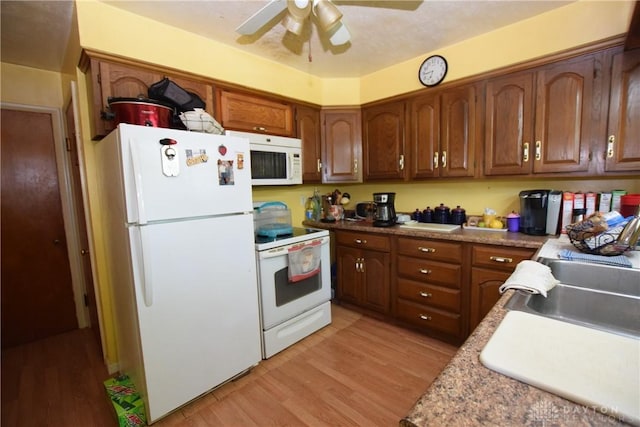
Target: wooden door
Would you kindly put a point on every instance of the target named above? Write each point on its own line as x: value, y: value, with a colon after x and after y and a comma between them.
x: 383, y: 141
x: 375, y: 288
x: 309, y: 131
x: 349, y: 276
x: 342, y: 146
x: 458, y: 132
x: 37, y: 295
x: 425, y: 137
x: 76, y: 183
x: 485, y: 292
x: 509, y: 110
x: 564, y: 124
x: 623, y: 145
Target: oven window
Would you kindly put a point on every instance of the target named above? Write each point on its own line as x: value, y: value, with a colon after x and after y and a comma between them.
x: 287, y: 291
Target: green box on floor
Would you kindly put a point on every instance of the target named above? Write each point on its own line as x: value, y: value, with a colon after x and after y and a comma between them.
x: 126, y: 401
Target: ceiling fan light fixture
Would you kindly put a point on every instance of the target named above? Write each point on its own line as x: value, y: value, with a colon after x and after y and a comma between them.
x: 328, y: 15
x: 297, y: 12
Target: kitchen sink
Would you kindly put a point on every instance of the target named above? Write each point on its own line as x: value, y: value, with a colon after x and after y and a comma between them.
x: 595, y: 296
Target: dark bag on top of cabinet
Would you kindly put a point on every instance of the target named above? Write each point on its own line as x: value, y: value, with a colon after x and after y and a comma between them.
x: 168, y: 91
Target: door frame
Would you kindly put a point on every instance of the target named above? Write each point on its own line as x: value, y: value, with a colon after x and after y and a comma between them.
x: 67, y: 201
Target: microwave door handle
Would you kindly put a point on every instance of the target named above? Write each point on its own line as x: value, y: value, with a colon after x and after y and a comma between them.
x: 289, y: 166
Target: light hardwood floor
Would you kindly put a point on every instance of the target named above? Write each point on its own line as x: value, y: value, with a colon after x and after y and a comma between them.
x: 357, y: 371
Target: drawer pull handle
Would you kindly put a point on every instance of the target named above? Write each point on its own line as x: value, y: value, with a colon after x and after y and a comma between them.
x: 425, y: 294
x: 501, y: 259
x: 360, y: 241
x: 425, y: 317
x: 428, y: 250
x: 424, y: 271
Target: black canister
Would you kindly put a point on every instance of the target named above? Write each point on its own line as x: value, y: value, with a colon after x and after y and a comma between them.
x: 417, y: 215
x: 427, y: 215
x: 458, y: 216
x: 441, y: 214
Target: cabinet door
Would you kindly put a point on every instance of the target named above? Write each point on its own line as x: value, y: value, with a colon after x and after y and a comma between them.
x: 509, y: 108
x: 250, y: 113
x: 623, y: 146
x: 383, y: 141
x: 458, y: 132
x: 349, y: 277
x: 564, y: 123
x: 308, y: 130
x: 485, y: 292
x: 425, y: 136
x: 342, y: 146
x: 375, y: 284
x: 117, y: 81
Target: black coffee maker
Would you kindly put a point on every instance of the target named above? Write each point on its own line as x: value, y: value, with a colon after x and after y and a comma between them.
x: 385, y: 209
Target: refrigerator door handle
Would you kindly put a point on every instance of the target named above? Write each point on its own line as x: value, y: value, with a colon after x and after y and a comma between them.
x: 137, y: 181
x: 145, y: 269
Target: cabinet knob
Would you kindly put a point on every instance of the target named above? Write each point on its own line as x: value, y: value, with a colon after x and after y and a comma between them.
x: 401, y: 162
x: 425, y: 294
x: 444, y: 159
x: 319, y: 165
x: 425, y: 317
x: 525, y: 152
x: 424, y: 271
x: 436, y: 158
x: 538, y: 150
x: 501, y: 259
x: 427, y: 250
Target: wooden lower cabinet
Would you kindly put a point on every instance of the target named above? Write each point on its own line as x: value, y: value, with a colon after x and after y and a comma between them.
x: 364, y: 270
x: 429, y: 287
x: 491, y: 266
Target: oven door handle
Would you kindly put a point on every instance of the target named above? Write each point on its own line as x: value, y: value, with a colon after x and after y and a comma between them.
x: 284, y: 250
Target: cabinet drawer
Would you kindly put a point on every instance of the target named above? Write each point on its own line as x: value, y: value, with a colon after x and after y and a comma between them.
x: 363, y: 240
x: 499, y: 257
x: 446, y: 298
x: 428, y: 317
x: 430, y: 249
x: 427, y: 271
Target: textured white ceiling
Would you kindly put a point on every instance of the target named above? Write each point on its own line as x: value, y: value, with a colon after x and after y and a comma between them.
x: 383, y: 33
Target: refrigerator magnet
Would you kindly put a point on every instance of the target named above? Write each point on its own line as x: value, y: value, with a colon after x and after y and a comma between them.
x: 240, y: 160
x: 225, y: 172
x: 196, y: 157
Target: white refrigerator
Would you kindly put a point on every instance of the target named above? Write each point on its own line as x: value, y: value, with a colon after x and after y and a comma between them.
x: 179, y: 244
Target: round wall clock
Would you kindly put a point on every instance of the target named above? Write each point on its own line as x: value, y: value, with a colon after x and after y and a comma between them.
x: 433, y: 70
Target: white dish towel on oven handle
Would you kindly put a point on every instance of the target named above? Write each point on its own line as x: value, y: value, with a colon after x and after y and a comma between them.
x: 304, y: 260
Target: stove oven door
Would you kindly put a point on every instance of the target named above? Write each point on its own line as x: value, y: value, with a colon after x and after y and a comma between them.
x: 281, y: 299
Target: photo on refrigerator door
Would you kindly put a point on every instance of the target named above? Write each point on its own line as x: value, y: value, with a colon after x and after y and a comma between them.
x: 225, y: 172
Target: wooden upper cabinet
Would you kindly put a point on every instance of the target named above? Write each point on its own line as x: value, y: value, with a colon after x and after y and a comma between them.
x: 109, y: 79
x: 115, y: 80
x: 424, y: 136
x: 384, y: 141
x: 623, y: 143
x: 565, y: 125
x: 308, y: 129
x: 444, y: 133
x: 342, y: 146
x: 251, y: 113
x: 458, y: 133
x: 509, y: 114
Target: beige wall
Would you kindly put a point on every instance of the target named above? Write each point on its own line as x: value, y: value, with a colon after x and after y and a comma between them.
x: 30, y: 86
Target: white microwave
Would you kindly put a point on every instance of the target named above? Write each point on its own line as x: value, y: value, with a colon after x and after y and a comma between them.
x: 275, y: 160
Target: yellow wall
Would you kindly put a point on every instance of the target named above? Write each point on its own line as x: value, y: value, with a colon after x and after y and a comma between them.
x: 573, y: 25
x: 30, y: 86
x: 107, y: 29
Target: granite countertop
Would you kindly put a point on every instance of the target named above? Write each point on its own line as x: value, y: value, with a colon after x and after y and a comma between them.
x: 503, y: 238
x: 468, y: 394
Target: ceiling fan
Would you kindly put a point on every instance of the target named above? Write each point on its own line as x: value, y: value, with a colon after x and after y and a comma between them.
x: 327, y: 16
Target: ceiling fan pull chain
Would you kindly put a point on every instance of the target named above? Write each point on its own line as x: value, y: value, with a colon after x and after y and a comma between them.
x: 310, y: 57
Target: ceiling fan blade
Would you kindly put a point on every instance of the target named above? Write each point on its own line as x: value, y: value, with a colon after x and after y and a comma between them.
x: 340, y: 35
x: 261, y: 17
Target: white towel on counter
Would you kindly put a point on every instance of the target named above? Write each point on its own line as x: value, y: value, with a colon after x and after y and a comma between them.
x: 616, y: 261
x: 531, y: 277
x: 304, y: 260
